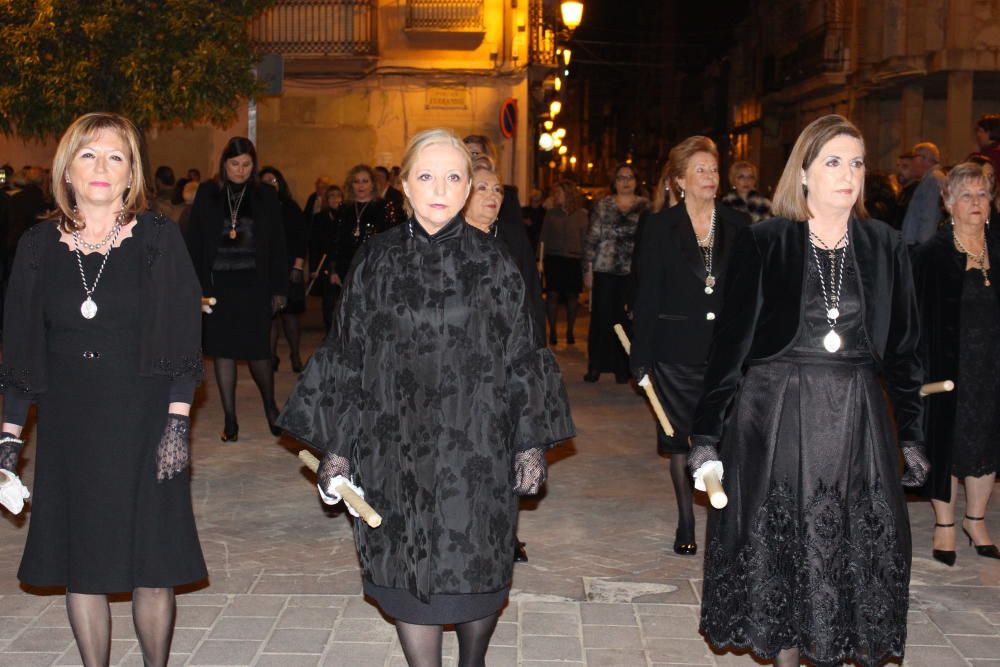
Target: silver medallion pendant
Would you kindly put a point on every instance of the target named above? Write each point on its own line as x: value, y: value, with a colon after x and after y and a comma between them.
x: 88, y: 308
x: 833, y: 313
x: 831, y: 341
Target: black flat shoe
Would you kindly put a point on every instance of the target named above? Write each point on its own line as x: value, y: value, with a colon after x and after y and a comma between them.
x: 942, y: 555
x: 984, y: 550
x: 591, y: 377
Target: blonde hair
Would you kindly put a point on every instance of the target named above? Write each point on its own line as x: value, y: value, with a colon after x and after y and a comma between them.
x: 682, y: 153
x: 83, y: 129
x: 737, y: 167
x: 432, y: 137
x: 960, y: 175
x: 349, y: 183
x: 790, y: 196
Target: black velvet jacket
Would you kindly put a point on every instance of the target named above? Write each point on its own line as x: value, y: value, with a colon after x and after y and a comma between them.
x: 671, y: 308
x: 170, y: 343
x: 939, y: 270
x: 762, y: 314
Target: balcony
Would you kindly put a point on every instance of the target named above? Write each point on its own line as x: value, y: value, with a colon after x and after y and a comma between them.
x: 435, y: 16
x: 823, y: 51
x: 318, y: 29
x: 542, y: 36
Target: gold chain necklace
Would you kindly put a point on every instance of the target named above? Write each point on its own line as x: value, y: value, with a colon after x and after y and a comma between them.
x: 977, y: 260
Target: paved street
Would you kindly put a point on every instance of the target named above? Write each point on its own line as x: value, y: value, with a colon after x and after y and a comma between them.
x: 602, y: 587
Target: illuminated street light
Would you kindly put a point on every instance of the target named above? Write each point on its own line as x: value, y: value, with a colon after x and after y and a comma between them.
x: 558, y: 84
x: 566, y: 56
x: 560, y: 133
x: 548, y: 125
x: 546, y: 142
x: 572, y: 13
x: 590, y: 165
x: 565, y: 72
x: 563, y: 150
x: 557, y: 142
x: 554, y: 108
x: 572, y: 160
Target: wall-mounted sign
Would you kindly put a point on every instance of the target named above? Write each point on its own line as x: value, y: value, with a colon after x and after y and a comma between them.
x: 447, y: 97
x: 508, y: 118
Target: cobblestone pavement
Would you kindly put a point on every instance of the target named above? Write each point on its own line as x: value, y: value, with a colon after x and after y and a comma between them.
x: 602, y: 587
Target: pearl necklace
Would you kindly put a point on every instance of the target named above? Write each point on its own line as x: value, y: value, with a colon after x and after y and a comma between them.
x: 977, y: 260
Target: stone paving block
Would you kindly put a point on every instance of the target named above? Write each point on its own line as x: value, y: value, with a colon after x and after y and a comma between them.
x: 186, y: 639
x: 504, y: 635
x: 683, y: 627
x: 533, y: 623
x: 956, y: 598
x: 551, y: 648
x: 501, y: 656
x: 197, y: 617
x: 547, y: 663
x: 240, y: 627
x: 120, y: 649
x: 299, y: 640
x: 358, y: 607
x: 614, y: 636
x: 685, y: 651
x: 550, y: 607
x: 254, y: 605
x: 235, y: 584
x: 222, y: 652
x: 202, y: 600
x: 594, y: 613
x: 666, y: 610
x: 23, y: 604
x: 602, y: 657
x: 356, y: 654
x: 972, y: 647
x: 318, y: 601
x: 933, y: 656
x: 13, y: 659
x: 51, y: 618
x: 309, y: 617
x: 925, y: 634
x: 363, y: 630
x: 42, y: 639
x: 10, y: 626
x: 962, y: 623
x: 287, y: 660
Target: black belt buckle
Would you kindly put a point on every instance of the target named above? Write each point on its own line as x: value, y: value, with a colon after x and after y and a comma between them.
x: 91, y: 355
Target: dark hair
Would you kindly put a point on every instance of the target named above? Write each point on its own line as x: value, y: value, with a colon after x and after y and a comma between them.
x: 234, y: 147
x: 284, y: 193
x: 979, y: 158
x: 178, y: 195
x: 382, y: 170
x: 165, y: 175
x: 614, y: 176
x: 196, y: 172
x: 990, y: 123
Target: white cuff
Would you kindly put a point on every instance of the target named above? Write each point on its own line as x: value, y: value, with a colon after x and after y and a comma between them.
x: 12, y: 492
x: 644, y: 381
x: 699, y: 474
x: 330, y: 496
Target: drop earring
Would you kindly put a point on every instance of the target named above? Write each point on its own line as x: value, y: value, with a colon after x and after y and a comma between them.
x: 682, y: 193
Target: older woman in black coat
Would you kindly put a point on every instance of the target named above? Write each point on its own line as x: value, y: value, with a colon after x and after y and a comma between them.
x: 960, y: 340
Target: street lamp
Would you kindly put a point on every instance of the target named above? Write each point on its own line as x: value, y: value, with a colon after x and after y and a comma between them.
x: 563, y: 150
x: 554, y: 108
x: 546, y: 142
x: 572, y: 13
x: 558, y: 84
x: 548, y: 125
x: 560, y: 133
x: 567, y: 54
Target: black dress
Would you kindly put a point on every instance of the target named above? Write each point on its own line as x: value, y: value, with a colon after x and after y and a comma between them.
x: 813, y: 550
x: 100, y: 522
x: 976, y: 443
x: 429, y: 383
x: 296, y: 240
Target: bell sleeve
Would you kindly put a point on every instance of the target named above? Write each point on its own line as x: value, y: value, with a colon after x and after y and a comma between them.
x: 731, y: 339
x: 324, y: 409
x: 901, y: 364
x: 538, y: 404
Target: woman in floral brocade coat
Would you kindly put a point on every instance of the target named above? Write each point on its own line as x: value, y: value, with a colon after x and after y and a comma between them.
x: 434, y: 395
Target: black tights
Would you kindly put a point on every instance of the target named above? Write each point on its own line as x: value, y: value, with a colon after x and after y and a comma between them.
x: 685, y: 497
x: 422, y: 643
x: 552, y: 304
x: 152, y: 614
x: 263, y: 375
x: 290, y: 324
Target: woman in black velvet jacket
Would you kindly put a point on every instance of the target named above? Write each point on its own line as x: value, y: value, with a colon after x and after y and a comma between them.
x: 811, y: 558
x: 960, y: 341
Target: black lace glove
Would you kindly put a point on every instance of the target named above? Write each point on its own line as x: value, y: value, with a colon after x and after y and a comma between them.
x: 173, y: 455
x: 10, y: 451
x: 917, y: 465
x: 296, y: 277
x: 700, y: 454
x: 335, y: 470
x: 530, y: 471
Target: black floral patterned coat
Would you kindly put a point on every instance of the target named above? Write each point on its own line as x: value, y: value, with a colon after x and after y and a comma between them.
x: 429, y: 382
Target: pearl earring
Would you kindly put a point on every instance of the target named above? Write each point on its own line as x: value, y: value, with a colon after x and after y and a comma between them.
x: 682, y: 193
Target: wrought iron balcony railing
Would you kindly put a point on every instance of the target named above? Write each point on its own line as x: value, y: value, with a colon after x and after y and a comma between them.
x: 445, y: 15
x: 820, y: 51
x: 542, y: 36
x: 318, y: 27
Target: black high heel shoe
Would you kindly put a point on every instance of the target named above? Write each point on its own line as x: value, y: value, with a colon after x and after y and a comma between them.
x: 272, y: 419
x: 296, y: 365
x: 984, y: 550
x: 942, y: 555
x: 230, y: 434
x: 684, y: 548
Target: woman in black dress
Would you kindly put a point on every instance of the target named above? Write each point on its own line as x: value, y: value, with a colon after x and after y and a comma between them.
x: 608, y: 251
x: 682, y: 255
x: 960, y: 341
x: 811, y: 558
x: 361, y: 217
x: 296, y: 241
x: 433, y: 394
x: 237, y: 244
x: 323, y: 250
x: 102, y: 333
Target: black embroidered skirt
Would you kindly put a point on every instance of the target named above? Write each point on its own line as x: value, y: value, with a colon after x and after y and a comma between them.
x: 813, y: 550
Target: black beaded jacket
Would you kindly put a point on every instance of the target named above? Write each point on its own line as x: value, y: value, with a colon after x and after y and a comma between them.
x: 170, y: 301
x: 939, y: 270
x: 430, y: 381
x: 762, y: 313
